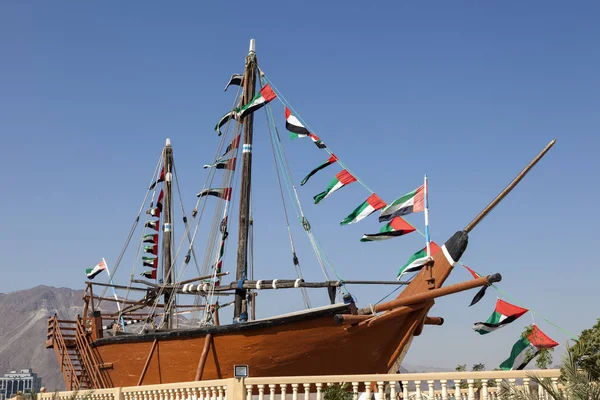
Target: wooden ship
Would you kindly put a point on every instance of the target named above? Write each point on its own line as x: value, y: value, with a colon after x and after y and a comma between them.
x: 148, y: 345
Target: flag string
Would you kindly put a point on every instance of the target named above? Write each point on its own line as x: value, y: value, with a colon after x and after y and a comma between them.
x: 286, y: 103
x: 532, y: 311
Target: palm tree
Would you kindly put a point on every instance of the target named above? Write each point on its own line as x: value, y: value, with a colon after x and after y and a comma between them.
x: 577, y: 385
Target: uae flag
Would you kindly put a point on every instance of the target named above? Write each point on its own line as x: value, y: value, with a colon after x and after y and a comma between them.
x: 151, y: 249
x: 372, y: 204
x: 222, y: 193
x: 504, y: 314
x: 417, y: 261
x: 481, y: 291
x: 233, y: 145
x: 526, y: 349
x: 327, y: 163
x: 92, y: 272
x: 223, y: 164
x: 342, y: 179
x: 294, y: 126
x: 161, y: 178
x: 150, y: 262
x: 150, y: 238
x: 224, y: 119
x: 159, y: 201
x: 317, y: 141
x: 265, y: 95
x: 297, y: 130
x: 396, y: 227
x: 149, y: 274
x: 409, y: 203
x: 236, y: 79
x: 152, y: 225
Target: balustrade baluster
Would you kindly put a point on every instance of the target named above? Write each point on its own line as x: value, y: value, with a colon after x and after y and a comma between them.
x: 272, y: 392
x: 380, y: 395
x: 418, y: 395
x: 319, y: 388
x: 484, y: 389
x: 444, y: 383
x: 457, y: 394
x: 392, y: 390
x: 404, y: 390
x: 306, y: 391
x: 354, y: 390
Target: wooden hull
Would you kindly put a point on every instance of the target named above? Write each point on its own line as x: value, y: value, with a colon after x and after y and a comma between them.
x: 310, y: 344
x: 302, y: 343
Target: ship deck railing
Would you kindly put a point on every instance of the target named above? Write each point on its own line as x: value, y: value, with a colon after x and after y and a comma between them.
x: 483, y: 385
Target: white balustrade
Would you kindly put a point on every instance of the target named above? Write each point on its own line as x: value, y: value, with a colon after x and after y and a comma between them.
x: 484, y: 385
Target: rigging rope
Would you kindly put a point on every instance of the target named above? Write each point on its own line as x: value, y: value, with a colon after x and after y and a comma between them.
x: 296, y: 262
x: 321, y: 257
x: 131, y: 232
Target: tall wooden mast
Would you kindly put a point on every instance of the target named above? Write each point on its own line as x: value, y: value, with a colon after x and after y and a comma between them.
x: 240, y: 314
x: 169, y: 272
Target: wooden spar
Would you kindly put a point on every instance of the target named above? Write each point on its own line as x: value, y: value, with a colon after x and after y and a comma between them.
x: 147, y: 362
x: 394, y: 313
x: 434, y: 320
x: 125, y: 301
x: 179, y: 284
x: 432, y: 294
x: 168, y: 267
x: 345, y: 319
x: 202, y: 362
x: 246, y: 182
x: 118, y: 286
x: 298, y: 283
x: 203, y: 277
x: 510, y: 187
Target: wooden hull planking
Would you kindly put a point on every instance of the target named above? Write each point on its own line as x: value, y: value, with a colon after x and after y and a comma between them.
x: 315, y: 346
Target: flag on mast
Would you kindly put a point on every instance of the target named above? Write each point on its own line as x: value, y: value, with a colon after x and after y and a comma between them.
x: 427, y: 238
x: 92, y: 272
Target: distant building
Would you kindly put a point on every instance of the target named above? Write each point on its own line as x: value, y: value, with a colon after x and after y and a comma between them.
x: 24, y: 380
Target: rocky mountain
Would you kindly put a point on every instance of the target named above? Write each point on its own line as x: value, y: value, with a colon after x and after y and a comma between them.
x: 23, y: 329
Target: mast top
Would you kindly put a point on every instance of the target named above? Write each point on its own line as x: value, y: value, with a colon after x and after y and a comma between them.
x: 252, y: 46
x: 168, y: 142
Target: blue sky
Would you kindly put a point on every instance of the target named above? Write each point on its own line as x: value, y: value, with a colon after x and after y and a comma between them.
x: 464, y: 92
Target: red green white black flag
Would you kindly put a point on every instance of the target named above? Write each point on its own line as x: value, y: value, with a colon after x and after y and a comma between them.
x: 297, y: 130
x: 409, y: 203
x: 92, y: 272
x: 342, y: 179
x: 332, y: 159
x: 396, y: 227
x: 526, y: 348
x: 372, y: 204
x: 504, y: 314
x: 264, y: 96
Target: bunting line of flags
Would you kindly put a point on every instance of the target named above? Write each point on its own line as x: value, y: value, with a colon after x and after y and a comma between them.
x: 525, y: 349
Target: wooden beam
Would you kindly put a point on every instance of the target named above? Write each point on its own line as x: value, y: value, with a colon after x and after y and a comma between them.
x: 147, y: 362
x: 432, y: 294
x: 202, y: 362
x: 434, y: 320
